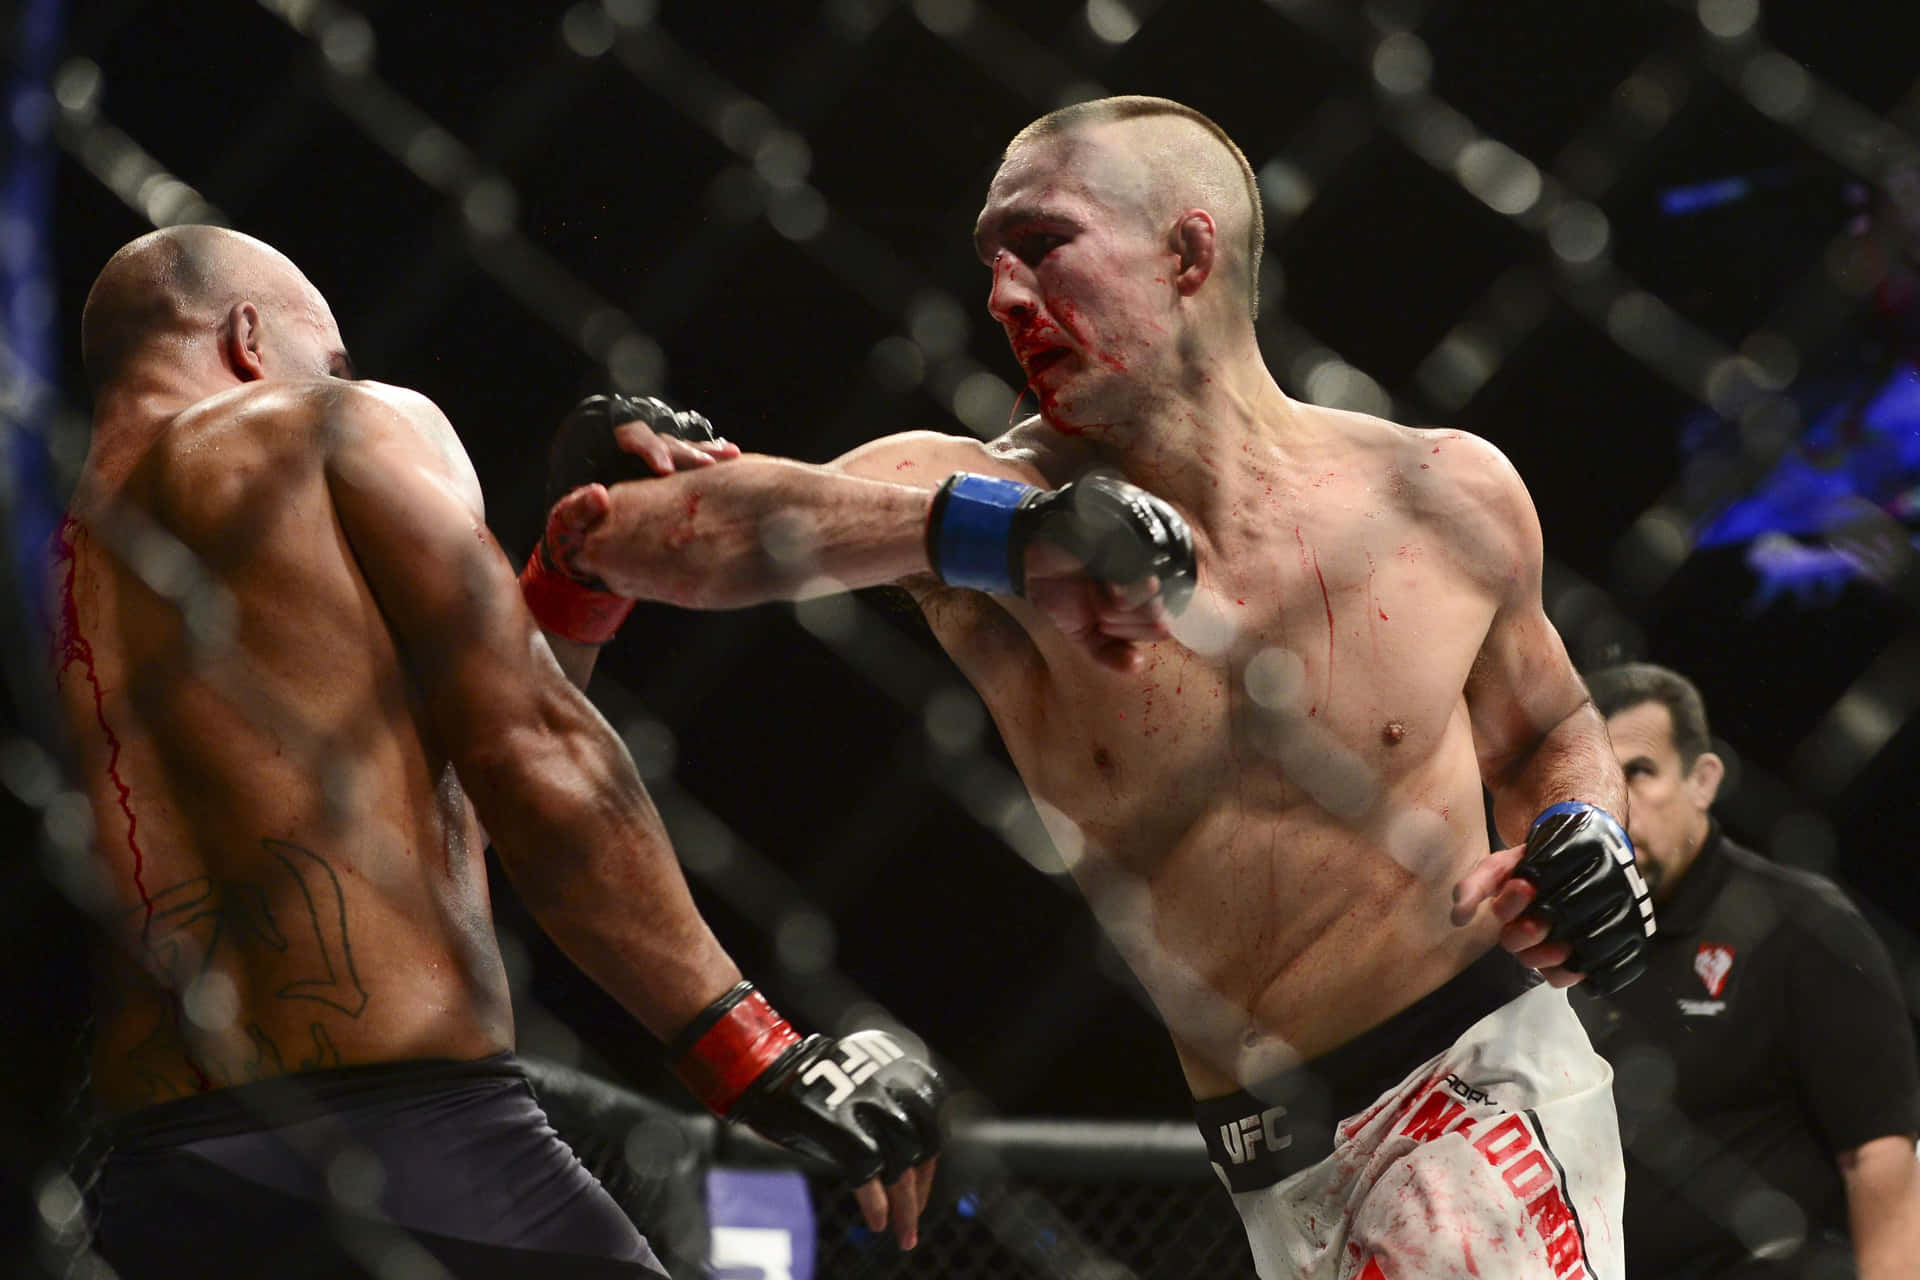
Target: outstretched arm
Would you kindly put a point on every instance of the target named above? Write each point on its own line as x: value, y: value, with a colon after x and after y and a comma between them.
x: 1095, y: 558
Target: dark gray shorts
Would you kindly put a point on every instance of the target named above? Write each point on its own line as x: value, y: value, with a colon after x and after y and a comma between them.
x: 347, y: 1172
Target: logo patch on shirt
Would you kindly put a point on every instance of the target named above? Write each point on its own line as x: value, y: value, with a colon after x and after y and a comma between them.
x: 1713, y: 962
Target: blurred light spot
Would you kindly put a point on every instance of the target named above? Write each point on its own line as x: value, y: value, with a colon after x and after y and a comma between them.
x: 1206, y: 627
x: 1454, y: 371
x: 433, y: 155
x: 898, y: 363
x: 1645, y: 100
x: 1402, y: 64
x: 490, y: 206
x: 944, y: 17
x: 1730, y: 385
x: 1729, y: 19
x: 1638, y: 321
x: 1417, y: 839
x: 28, y: 771
x: 1865, y: 721
x: 937, y: 323
x: 782, y: 158
x: 983, y: 402
x: 1439, y: 134
x: 68, y: 820
x: 955, y: 720
x: 1339, y: 385
x: 704, y: 844
x: 211, y: 1001
x: 631, y: 13
x: 60, y: 1206
x: 347, y: 43
x: 1285, y: 188
x: 636, y: 364
x: 1066, y: 844
x: 1111, y: 21
x: 1578, y: 232
x: 355, y: 1179
x: 831, y: 616
x: 791, y: 542
x: 799, y: 213
x: 1501, y: 177
x: 653, y: 748
x: 1651, y: 549
x: 76, y: 86
x: 1777, y: 86
x: 602, y: 327
x: 742, y: 122
x: 587, y: 30
x: 1276, y: 679
x: 804, y: 940
x: 1770, y: 1223
x: 1776, y: 361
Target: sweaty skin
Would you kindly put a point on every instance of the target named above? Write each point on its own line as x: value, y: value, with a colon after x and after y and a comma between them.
x: 1271, y: 809
x: 289, y: 651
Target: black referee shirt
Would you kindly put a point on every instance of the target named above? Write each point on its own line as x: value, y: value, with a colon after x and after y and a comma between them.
x: 1768, y: 1035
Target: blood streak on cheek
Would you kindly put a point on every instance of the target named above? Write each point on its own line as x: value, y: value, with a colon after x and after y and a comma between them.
x: 73, y: 647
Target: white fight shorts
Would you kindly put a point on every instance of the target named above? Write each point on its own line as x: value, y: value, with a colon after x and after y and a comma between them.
x: 1491, y: 1153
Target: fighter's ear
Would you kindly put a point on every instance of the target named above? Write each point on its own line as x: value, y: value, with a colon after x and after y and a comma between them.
x: 1194, y: 243
x: 240, y: 342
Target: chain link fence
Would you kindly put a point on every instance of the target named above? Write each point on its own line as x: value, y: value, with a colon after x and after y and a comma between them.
x: 489, y: 165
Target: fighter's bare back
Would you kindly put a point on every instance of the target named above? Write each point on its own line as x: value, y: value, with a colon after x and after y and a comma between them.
x: 297, y: 875
x: 1270, y: 820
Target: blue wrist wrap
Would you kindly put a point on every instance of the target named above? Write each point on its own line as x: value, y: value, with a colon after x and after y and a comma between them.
x: 969, y: 537
x: 1581, y: 806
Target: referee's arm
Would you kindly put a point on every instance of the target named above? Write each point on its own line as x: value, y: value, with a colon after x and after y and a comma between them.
x: 1882, y: 1178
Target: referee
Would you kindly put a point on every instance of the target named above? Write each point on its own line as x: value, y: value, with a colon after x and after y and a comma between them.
x: 1764, y: 1065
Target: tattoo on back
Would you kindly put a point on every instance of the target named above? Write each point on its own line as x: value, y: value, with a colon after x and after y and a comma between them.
x: 201, y: 926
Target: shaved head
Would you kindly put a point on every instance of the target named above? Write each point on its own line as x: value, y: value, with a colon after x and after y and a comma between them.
x: 1170, y: 158
x: 176, y: 281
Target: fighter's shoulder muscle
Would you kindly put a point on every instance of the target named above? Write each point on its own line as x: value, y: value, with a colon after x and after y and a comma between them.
x: 1466, y: 492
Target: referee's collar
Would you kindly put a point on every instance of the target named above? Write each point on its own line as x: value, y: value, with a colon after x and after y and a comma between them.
x: 1697, y: 889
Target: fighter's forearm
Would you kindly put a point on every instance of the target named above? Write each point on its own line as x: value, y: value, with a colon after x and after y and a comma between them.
x: 755, y: 530
x: 586, y: 850
x: 1572, y: 760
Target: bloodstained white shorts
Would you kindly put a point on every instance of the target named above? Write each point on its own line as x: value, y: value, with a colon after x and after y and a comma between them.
x: 1497, y: 1158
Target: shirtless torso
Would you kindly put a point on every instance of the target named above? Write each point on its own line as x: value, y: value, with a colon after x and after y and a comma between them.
x: 1269, y: 814
x: 297, y: 873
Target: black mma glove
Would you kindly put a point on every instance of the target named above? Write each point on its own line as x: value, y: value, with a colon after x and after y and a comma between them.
x: 1586, y: 886
x: 860, y: 1102
x: 577, y: 606
x: 980, y: 528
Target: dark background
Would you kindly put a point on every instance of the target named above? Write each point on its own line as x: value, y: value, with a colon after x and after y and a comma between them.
x: 563, y: 193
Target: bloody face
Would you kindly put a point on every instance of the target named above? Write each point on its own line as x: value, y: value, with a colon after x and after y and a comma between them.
x: 1082, y: 279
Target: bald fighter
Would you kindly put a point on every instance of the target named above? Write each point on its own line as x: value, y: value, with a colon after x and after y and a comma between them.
x: 297, y: 677
x: 1276, y: 811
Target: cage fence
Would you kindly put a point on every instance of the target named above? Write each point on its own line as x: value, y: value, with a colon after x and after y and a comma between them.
x: 1097, y: 1203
